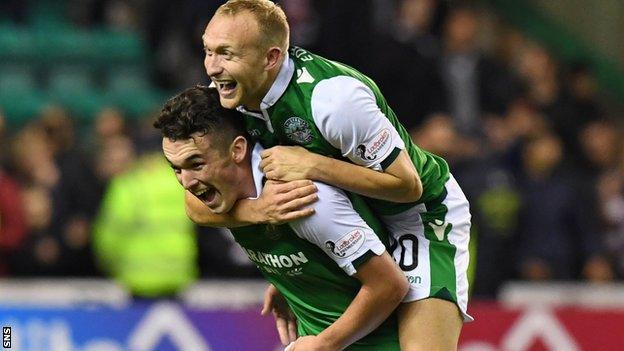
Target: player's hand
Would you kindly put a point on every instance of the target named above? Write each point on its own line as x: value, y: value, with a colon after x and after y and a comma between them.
x: 310, y: 343
x: 287, y: 163
x: 285, y: 320
x: 283, y: 202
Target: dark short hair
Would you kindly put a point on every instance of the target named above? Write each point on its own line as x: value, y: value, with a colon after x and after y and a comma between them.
x: 198, y: 110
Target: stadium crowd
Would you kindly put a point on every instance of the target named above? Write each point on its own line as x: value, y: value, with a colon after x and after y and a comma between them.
x: 527, y: 137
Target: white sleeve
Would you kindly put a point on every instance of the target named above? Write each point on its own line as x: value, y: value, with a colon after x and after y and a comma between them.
x: 346, y: 113
x: 338, y: 229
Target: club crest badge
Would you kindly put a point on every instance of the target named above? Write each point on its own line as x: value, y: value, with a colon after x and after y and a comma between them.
x: 298, y: 130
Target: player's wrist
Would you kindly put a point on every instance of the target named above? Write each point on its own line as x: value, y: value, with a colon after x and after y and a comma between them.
x: 330, y: 340
x: 317, y: 164
x: 248, y: 212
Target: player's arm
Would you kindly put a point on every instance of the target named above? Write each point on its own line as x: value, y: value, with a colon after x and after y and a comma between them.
x: 363, y: 256
x: 383, y: 288
x: 278, y: 203
x: 346, y: 114
x: 399, y: 182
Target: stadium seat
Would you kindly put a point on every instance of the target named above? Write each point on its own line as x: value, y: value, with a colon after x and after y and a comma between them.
x: 113, y: 48
x: 17, y: 45
x: 131, y: 90
x: 20, y: 97
x: 73, y: 87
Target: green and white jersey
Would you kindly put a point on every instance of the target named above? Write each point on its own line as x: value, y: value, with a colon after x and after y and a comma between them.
x: 334, y: 110
x: 311, y: 261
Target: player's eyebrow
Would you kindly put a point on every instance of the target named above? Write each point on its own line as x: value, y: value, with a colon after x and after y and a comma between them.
x: 186, y: 161
x: 219, y: 48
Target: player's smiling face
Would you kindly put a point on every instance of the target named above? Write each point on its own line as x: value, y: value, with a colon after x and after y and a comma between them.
x: 235, y: 60
x: 204, y: 169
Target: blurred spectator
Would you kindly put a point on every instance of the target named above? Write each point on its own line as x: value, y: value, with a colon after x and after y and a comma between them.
x: 33, y: 159
x: 474, y: 83
x: 113, y: 150
x: 491, y: 185
x: 541, y: 75
x: 408, y: 77
x: 303, y: 21
x: 603, y: 150
x: 415, y: 24
x: 560, y: 237
x: 116, y: 155
x: 12, y: 217
x: 142, y: 237
x: 582, y: 89
x: 439, y: 135
x: 41, y: 254
x: 601, y: 143
x: 46, y: 160
x: 75, y: 195
x: 109, y: 123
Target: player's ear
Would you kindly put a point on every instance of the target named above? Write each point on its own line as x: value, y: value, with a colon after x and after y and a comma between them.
x: 273, y: 57
x: 238, y: 149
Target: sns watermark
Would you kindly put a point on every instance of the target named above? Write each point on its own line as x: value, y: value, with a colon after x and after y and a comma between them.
x: 6, y: 337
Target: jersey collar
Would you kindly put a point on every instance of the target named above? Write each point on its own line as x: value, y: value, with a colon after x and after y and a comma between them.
x: 258, y: 176
x: 275, y: 92
x: 281, y: 83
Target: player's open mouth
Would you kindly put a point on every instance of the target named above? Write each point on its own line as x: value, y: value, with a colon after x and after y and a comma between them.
x: 226, y: 88
x: 207, y: 196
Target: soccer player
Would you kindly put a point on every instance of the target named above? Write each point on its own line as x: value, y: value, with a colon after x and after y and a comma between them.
x: 351, y: 139
x: 331, y: 267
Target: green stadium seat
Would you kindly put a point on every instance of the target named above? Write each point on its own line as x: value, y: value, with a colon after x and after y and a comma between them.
x: 114, y: 48
x: 20, y: 97
x: 64, y: 46
x: 131, y: 90
x: 17, y: 45
x: 73, y: 88
x: 48, y: 13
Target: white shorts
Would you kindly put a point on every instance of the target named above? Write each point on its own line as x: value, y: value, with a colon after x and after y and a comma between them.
x: 430, y: 244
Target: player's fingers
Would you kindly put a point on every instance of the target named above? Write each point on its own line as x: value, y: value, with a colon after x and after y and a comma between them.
x: 292, y: 329
x: 266, y: 153
x: 299, y: 203
x: 282, y: 330
x: 264, y: 164
x: 272, y: 175
x: 295, y: 184
x: 304, y: 212
x: 301, y: 192
x: 267, y: 305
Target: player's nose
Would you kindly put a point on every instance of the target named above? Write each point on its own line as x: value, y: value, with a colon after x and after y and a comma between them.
x: 188, y: 180
x: 212, y: 65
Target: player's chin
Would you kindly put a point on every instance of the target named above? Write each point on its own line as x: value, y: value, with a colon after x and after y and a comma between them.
x: 229, y: 102
x: 221, y: 207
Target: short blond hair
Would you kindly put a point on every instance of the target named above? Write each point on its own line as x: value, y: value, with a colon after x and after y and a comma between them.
x: 270, y: 17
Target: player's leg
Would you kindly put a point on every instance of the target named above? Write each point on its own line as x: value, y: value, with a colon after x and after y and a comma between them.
x: 429, y: 325
x: 434, y: 256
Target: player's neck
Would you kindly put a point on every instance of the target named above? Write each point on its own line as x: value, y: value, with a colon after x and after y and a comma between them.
x: 264, y: 90
x: 247, y: 184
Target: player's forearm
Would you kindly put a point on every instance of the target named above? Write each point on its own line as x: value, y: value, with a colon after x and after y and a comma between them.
x: 242, y: 213
x: 361, y: 180
x: 371, y: 306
